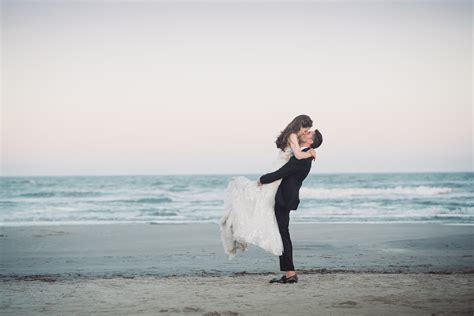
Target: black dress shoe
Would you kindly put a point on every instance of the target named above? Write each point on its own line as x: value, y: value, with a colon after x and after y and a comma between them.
x: 292, y: 279
x: 279, y: 280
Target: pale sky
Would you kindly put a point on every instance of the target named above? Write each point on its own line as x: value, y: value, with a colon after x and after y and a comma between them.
x: 117, y: 88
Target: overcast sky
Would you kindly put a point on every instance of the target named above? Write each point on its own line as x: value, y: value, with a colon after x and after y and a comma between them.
x: 197, y: 88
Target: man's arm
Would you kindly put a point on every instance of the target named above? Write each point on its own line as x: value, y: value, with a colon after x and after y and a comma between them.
x: 290, y: 167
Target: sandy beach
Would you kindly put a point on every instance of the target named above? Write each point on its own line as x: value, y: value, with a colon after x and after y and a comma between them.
x: 369, y: 269
x: 330, y: 294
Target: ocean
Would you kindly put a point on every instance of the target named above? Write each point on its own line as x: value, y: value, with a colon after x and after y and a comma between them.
x: 446, y: 198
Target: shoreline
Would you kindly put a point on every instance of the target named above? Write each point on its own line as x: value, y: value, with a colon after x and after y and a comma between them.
x: 59, y: 224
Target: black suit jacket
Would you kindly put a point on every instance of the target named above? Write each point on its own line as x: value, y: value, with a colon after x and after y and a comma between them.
x: 293, y: 174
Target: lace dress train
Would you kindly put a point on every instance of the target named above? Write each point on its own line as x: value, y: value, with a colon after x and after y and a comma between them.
x: 249, y: 215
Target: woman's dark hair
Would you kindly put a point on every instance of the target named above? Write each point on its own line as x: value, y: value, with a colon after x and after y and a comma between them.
x: 301, y: 121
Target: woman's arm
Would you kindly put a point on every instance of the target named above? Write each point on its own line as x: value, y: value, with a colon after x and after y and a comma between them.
x: 295, y: 146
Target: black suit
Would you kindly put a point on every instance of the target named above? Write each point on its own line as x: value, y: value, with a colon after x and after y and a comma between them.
x: 293, y: 174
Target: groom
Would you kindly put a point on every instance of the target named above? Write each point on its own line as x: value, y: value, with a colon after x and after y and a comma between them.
x: 287, y: 198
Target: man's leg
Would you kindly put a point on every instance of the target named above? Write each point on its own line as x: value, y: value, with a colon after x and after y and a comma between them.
x: 286, y: 259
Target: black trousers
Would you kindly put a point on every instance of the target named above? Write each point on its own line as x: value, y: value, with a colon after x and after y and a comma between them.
x: 283, y: 219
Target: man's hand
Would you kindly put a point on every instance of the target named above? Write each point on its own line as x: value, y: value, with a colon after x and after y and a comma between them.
x: 259, y: 183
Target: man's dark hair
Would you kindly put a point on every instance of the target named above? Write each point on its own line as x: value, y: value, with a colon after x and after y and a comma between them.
x: 317, y: 139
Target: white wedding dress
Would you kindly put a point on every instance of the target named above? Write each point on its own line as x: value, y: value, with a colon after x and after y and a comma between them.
x: 249, y: 215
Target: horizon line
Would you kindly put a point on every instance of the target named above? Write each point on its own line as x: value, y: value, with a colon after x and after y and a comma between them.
x: 228, y: 174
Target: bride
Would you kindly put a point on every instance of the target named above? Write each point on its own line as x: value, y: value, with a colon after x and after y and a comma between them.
x: 249, y: 215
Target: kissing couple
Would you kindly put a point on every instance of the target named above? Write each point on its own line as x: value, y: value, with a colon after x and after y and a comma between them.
x: 258, y: 213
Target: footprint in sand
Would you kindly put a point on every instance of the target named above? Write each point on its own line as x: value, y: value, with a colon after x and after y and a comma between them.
x: 346, y: 304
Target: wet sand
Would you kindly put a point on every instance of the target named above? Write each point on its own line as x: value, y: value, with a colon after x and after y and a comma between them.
x: 196, y: 249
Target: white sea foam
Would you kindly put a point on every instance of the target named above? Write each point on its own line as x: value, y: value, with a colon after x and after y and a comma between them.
x: 199, y: 199
x: 380, y: 212
x: 320, y: 193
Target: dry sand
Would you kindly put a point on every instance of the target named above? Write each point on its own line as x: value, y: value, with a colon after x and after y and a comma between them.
x: 246, y: 294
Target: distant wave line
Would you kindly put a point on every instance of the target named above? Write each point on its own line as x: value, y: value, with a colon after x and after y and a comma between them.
x: 353, y: 192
